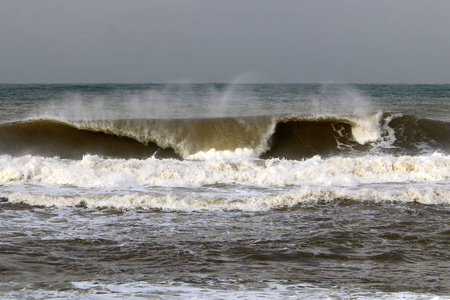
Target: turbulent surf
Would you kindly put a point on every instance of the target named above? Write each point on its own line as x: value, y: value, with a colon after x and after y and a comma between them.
x: 265, y: 190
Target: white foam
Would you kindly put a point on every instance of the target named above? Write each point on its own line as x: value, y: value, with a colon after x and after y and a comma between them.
x: 366, y: 128
x: 213, y: 154
x: 236, y: 290
x: 388, y: 137
x: 263, y: 201
x: 226, y: 290
x: 98, y: 172
x: 235, y: 184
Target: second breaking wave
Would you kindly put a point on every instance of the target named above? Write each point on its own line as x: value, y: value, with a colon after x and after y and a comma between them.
x: 253, y: 185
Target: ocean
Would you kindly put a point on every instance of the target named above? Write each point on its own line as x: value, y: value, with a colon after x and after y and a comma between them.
x: 224, y: 191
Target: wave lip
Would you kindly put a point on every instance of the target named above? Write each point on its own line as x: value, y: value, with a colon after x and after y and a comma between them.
x: 190, y: 136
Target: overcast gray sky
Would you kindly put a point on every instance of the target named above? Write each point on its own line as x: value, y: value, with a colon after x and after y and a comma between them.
x: 136, y: 41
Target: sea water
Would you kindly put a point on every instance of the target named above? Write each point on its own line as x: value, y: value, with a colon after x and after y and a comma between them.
x: 224, y: 191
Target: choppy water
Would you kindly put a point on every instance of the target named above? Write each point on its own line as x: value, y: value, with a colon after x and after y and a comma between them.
x: 217, y: 191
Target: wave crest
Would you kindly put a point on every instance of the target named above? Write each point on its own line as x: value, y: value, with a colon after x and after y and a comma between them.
x: 282, y: 136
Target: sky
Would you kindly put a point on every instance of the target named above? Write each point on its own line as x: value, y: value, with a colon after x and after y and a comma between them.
x: 304, y: 41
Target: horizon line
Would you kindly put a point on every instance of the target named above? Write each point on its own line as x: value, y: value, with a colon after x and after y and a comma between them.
x: 228, y: 83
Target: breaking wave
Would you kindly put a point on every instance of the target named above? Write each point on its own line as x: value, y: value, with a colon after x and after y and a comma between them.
x: 290, y: 137
x: 196, y: 202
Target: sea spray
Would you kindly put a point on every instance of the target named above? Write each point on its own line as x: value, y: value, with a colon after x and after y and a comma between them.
x: 155, y: 101
x: 341, y: 99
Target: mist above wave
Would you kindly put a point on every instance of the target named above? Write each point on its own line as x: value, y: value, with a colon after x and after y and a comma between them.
x: 171, y: 101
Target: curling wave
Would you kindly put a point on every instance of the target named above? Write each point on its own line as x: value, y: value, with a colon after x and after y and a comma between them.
x: 291, y: 137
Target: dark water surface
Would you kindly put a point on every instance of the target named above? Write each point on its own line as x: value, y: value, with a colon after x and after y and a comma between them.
x: 359, y: 245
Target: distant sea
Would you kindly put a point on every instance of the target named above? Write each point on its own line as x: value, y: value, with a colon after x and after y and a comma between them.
x: 218, y: 191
